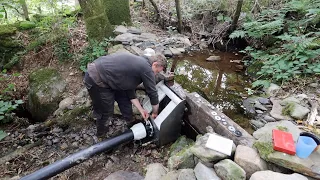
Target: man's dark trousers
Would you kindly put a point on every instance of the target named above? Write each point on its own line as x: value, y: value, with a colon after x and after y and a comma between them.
x: 103, y: 103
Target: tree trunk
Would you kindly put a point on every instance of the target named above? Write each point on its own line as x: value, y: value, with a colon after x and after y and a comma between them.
x: 25, y: 9
x: 118, y: 11
x: 236, y: 16
x: 156, y: 9
x: 178, y: 9
x: 96, y: 20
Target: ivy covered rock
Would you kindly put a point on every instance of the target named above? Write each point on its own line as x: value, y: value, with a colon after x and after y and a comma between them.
x: 27, y: 25
x: 7, y: 30
x: 45, y: 92
x: 118, y: 11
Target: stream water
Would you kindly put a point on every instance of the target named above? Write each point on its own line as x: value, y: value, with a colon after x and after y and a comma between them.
x: 222, y: 82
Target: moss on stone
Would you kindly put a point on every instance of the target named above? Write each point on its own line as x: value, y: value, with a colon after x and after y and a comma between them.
x: 71, y: 118
x: 264, y: 148
x: 118, y: 11
x: 288, y: 109
x: 24, y: 25
x: 181, y: 143
x: 98, y: 27
x: 7, y: 30
x: 282, y: 128
x: 42, y: 76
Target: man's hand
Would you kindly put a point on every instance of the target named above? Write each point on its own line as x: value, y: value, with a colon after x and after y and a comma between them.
x: 154, y: 115
x: 144, y: 114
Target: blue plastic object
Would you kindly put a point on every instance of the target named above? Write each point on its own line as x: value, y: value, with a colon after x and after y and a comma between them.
x: 305, y: 146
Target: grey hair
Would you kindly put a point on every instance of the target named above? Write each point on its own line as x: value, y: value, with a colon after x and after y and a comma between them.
x: 159, y: 58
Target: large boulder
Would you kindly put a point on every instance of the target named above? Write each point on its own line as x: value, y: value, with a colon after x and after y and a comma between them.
x: 172, y: 175
x: 267, y: 175
x: 124, y: 175
x: 45, y: 92
x: 249, y: 160
x: 227, y: 169
x: 309, y: 166
x: 203, y: 172
x: 205, y: 154
x: 155, y: 171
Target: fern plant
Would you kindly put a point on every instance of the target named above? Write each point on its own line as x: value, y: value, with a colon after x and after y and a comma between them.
x: 296, y: 49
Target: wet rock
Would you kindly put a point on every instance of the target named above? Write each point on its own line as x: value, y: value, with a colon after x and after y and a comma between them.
x: 273, y: 89
x: 134, y: 30
x: 257, y: 124
x: 214, y: 58
x: 172, y: 175
x: 181, y: 160
x: 120, y: 30
x: 77, y: 138
x: 202, y: 172
x: 49, y: 137
x: 227, y: 169
x: 264, y: 101
x: 267, y: 175
x: 115, y: 159
x: 205, y: 154
x: 186, y: 174
x: 249, y: 105
x: 258, y: 105
x: 45, y: 92
x: 276, y: 111
x: 155, y: 171
x: 175, y: 51
x: 249, y: 160
x: 269, y: 118
x: 181, y: 143
x: 124, y: 175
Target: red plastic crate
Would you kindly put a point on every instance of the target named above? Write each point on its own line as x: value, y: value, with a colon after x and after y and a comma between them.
x: 283, y: 142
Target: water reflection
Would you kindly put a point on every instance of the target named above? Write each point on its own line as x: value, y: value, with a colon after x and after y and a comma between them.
x: 218, y: 82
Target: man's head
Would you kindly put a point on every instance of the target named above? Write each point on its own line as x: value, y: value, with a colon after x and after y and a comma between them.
x: 158, y: 63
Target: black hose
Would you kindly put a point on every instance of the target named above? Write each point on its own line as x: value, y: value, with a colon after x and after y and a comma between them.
x: 77, y: 158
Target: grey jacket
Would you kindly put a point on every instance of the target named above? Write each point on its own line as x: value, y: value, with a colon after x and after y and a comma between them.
x: 125, y: 71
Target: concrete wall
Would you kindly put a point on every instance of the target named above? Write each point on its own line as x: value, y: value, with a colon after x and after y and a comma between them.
x: 201, y: 114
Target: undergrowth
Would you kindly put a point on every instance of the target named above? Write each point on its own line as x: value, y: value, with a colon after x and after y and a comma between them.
x: 295, y: 44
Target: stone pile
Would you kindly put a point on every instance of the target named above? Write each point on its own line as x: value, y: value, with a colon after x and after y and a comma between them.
x: 133, y: 40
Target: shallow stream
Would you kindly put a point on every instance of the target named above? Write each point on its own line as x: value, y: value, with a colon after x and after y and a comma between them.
x: 222, y: 82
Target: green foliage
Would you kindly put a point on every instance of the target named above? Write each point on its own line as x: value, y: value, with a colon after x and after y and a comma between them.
x: 14, y: 60
x: 295, y: 50
x: 27, y: 25
x: 7, y: 104
x: 93, y: 51
x: 62, y: 50
x: 3, y: 135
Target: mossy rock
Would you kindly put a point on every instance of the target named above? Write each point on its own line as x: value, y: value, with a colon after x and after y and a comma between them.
x: 73, y: 117
x: 7, y: 30
x: 118, y: 11
x: 45, y: 93
x: 264, y: 149
x: 10, y: 43
x: 24, y: 25
x: 181, y: 143
x: 184, y: 159
x: 288, y: 109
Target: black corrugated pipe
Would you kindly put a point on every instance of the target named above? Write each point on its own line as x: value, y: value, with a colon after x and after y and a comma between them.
x: 77, y: 158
